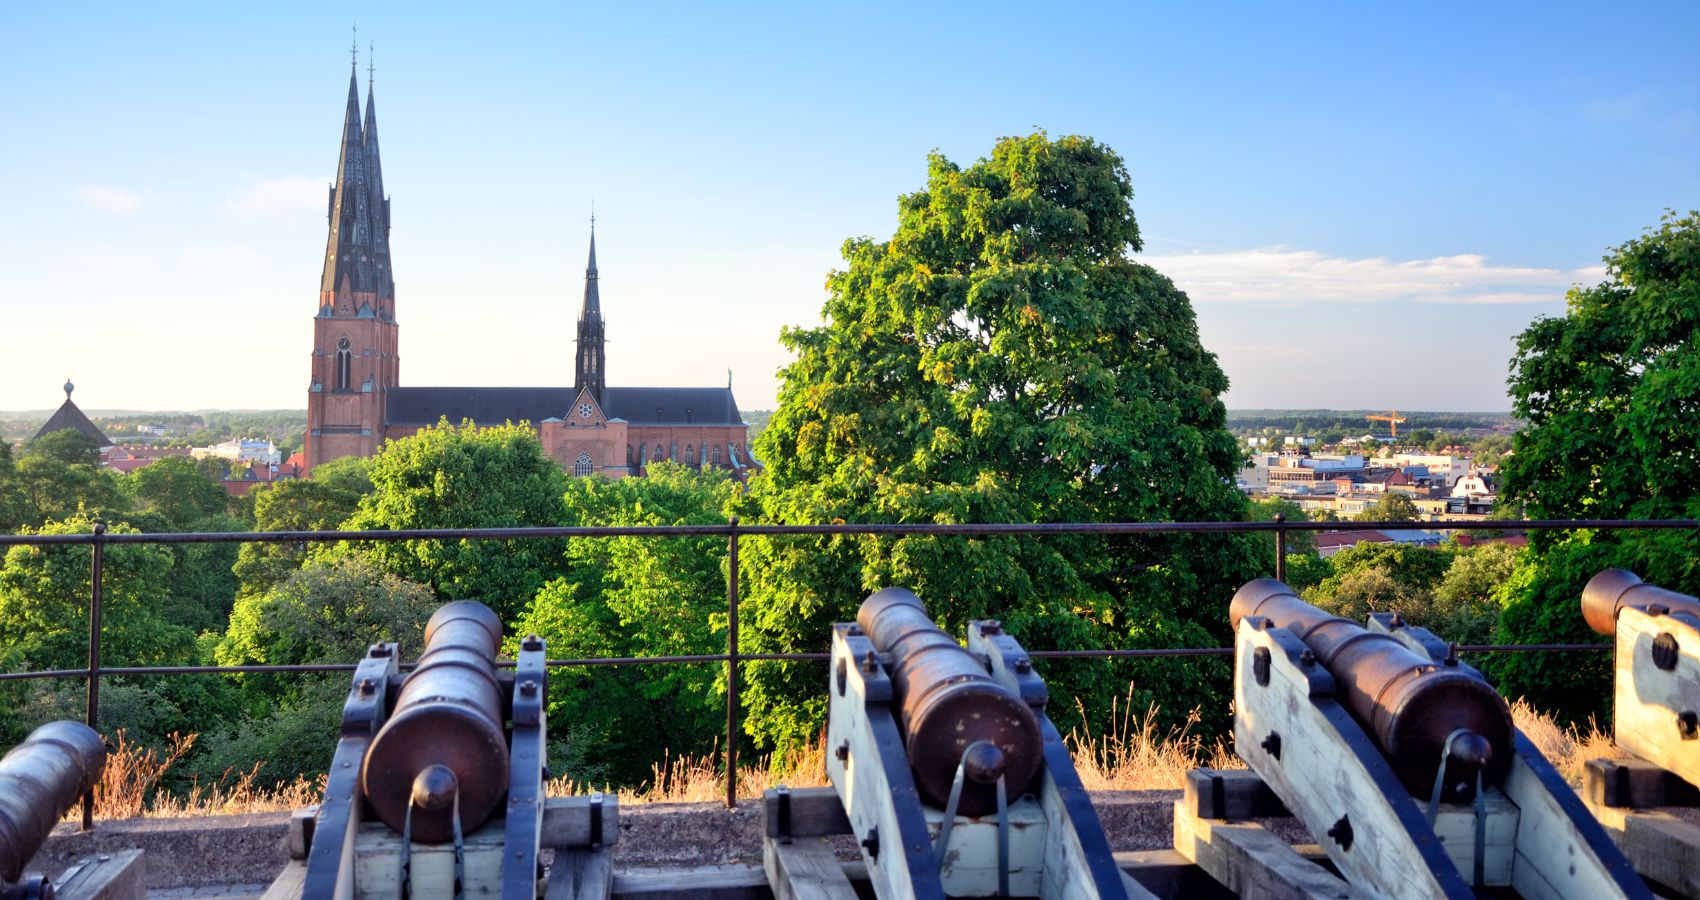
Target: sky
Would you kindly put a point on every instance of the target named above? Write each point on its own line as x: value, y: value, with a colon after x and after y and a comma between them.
x: 1365, y: 202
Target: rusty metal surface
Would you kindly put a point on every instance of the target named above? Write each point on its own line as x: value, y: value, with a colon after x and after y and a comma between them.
x: 1408, y: 703
x: 1610, y: 591
x: 448, y: 713
x: 40, y: 779
x: 946, y: 702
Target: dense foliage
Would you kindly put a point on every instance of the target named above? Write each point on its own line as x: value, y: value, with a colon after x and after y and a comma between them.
x: 1610, y: 391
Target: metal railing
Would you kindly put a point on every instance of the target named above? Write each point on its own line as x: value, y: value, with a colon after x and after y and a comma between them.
x: 733, y: 531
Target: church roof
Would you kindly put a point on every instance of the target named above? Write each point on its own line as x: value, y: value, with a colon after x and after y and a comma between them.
x: 494, y: 405
x: 70, y: 417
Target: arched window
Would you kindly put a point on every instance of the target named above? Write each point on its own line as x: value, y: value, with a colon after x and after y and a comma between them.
x: 344, y: 364
x: 717, y: 456
x: 673, y: 451
x: 631, y: 456
x: 690, y: 454
x: 583, y: 465
x: 658, y: 455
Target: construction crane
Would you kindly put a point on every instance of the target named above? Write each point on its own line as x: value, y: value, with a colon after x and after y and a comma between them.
x: 1392, y: 419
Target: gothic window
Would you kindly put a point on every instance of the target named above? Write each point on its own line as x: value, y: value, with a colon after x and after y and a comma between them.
x: 673, y: 451
x: 583, y: 465
x: 631, y: 459
x: 717, y: 456
x: 690, y: 455
x: 658, y: 456
x: 344, y: 364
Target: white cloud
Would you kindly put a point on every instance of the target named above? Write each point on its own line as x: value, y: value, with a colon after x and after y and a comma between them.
x: 1286, y: 275
x: 277, y: 197
x: 113, y: 201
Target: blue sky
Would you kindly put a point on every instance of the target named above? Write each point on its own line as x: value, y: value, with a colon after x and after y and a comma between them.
x: 1365, y: 202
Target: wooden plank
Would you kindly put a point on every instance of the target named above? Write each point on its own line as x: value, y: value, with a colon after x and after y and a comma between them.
x: 1251, y: 862
x: 1634, y: 784
x: 1455, y: 825
x: 288, y: 883
x: 1329, y: 773
x: 1662, y: 848
x: 119, y: 875
x: 804, y: 869
x: 1649, y: 700
x: 814, y: 812
x: 1230, y: 794
x: 567, y: 822
x: 581, y: 875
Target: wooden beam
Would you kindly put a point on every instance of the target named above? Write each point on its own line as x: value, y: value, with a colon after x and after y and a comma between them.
x: 1230, y: 794
x: 813, y: 812
x: 804, y: 869
x: 1634, y: 784
x: 119, y: 875
x: 580, y: 875
x: 288, y: 883
x: 1251, y: 862
x: 1660, y: 846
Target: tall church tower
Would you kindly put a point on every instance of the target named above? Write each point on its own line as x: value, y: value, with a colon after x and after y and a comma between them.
x: 591, y: 341
x: 355, y: 356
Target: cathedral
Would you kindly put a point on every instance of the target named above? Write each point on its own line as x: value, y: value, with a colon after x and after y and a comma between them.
x: 355, y: 400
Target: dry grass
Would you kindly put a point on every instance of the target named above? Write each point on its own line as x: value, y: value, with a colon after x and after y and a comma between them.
x: 1133, y: 753
x: 1568, y: 749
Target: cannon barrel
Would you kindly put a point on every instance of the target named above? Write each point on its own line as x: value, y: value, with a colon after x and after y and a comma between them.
x: 40, y: 779
x: 1610, y: 591
x: 1409, y: 705
x: 947, y: 702
x: 444, y: 744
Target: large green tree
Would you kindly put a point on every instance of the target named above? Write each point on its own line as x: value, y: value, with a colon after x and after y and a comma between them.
x: 1609, y: 391
x: 1001, y: 358
x: 321, y: 503
x: 465, y: 476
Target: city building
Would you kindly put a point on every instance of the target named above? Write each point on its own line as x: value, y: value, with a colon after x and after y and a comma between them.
x: 355, y: 399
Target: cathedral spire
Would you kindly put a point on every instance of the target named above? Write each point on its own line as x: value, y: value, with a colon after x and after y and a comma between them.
x: 357, y: 247
x: 591, y: 340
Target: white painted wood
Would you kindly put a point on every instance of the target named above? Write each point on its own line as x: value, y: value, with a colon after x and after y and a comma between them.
x: 969, y: 867
x: 377, y: 864
x: 1553, y: 858
x: 1251, y: 862
x: 288, y: 883
x: 1649, y: 699
x: 1455, y: 825
x: 580, y: 875
x: 1322, y: 776
x: 1662, y: 847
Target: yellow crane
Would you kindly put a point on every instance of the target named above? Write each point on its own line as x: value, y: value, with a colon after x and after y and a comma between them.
x: 1392, y: 419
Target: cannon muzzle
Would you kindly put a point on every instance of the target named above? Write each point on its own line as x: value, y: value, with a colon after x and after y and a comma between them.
x: 948, y: 703
x: 40, y: 779
x: 443, y: 749
x: 1413, y: 708
x: 1610, y: 591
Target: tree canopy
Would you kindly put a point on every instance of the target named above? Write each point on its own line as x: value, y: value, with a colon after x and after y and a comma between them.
x: 465, y: 476
x: 1609, y: 391
x: 1000, y: 358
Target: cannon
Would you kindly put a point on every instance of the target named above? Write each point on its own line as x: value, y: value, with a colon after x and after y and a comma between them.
x: 944, y: 767
x: 1400, y: 760
x: 1655, y: 724
x: 1416, y: 709
x: 41, y: 779
x: 449, y: 760
x: 442, y: 753
x: 947, y: 702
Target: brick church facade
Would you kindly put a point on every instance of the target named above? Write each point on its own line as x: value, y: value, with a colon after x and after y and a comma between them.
x: 355, y: 400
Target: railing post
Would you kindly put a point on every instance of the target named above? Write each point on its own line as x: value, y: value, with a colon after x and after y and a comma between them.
x: 1280, y: 548
x: 732, y: 666
x: 96, y: 599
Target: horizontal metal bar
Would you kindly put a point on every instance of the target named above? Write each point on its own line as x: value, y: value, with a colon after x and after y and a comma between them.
x: 913, y: 528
